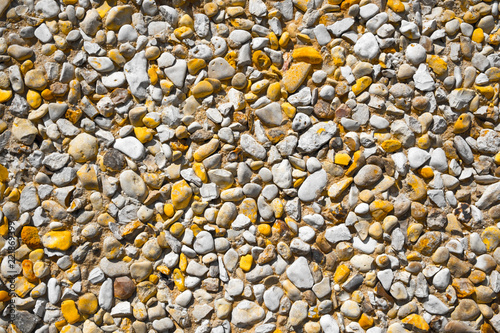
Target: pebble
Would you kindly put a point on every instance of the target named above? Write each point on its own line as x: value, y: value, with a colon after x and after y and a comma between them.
x: 239, y: 166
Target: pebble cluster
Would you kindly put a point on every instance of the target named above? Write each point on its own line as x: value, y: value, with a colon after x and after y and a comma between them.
x: 250, y: 166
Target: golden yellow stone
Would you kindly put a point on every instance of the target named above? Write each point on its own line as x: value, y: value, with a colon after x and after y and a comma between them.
x: 4, y: 296
x: 478, y: 35
x: 104, y: 219
x: 195, y: 65
x: 366, y: 321
x: 284, y: 39
x: 391, y: 146
x: 342, y: 159
x: 166, y: 86
x: 151, y: 122
x: 143, y: 134
x: 305, y: 39
x: 47, y: 94
x: 178, y: 278
x: 424, y: 142
x: 103, y: 9
x: 70, y: 312
x: 289, y: 110
x: 186, y: 21
x: 206, y: 150
x: 183, y: 32
x: 491, y: 237
x: 183, y: 262
x: 246, y: 262
x: 181, y: 194
x: 497, y: 158
x: 307, y: 54
x: 87, y: 304
x: 341, y: 273
x: 417, y: 322
x: 361, y: 84
x: 301, y: 4
x: 261, y: 60
x: 177, y: 229
x: 65, y: 26
x: 60, y: 324
x: 57, y: 240
x: 414, y: 231
x: 14, y: 195
x: 168, y: 209
x: 29, y: 236
x: 34, y: 99
x: 487, y: 91
x: 199, y: 170
x: 295, y: 76
x: 36, y: 255
x: 274, y: 91
x: 462, y: 124
x: 5, y: 95
x: 380, y: 209
x: 264, y: 229
x: 438, y: 65
x: 22, y: 286
x: 26, y: 66
x: 153, y: 278
x: 202, y: 89
x: 273, y: 41
x: 153, y: 75
x: 278, y: 208
x: 397, y: 6
x: 427, y: 172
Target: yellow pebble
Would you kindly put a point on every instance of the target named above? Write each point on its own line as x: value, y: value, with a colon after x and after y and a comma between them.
x: 289, y: 110
x: 199, y: 170
x: 307, y: 54
x: 26, y: 66
x: 34, y: 99
x: 274, y: 91
x: 497, y: 159
x: 87, y: 304
x: 178, y: 278
x: 246, y: 262
x: 478, y: 35
x: 153, y: 75
x: 195, y: 65
x: 427, y: 172
x: 57, y: 240
x: 391, y: 146
x: 284, y: 39
x: 177, y: 229
x: 261, y: 60
x: 341, y: 273
x: 5, y: 95
x: 70, y: 312
x: 202, y: 89
x: 342, y: 159
x: 181, y: 194
x: 264, y: 229
x: 273, y: 40
x: 166, y: 86
x: 143, y: 134
x: 462, y: 124
x: 438, y: 65
x: 396, y: 5
x: 361, y: 84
